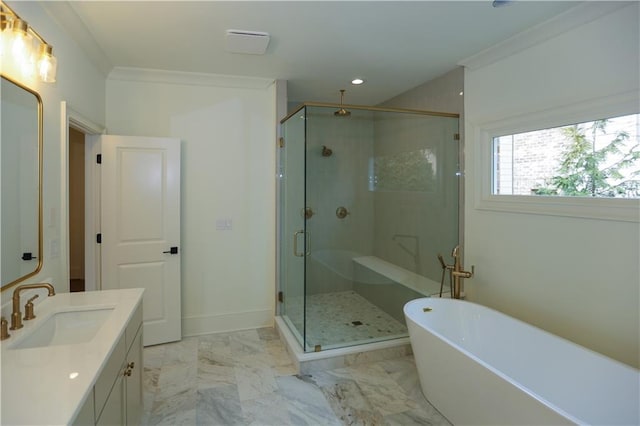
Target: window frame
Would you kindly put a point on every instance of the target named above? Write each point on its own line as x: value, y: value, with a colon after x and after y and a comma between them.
x: 616, y: 209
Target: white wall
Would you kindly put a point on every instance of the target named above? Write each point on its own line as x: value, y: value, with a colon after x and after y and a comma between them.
x: 228, y: 133
x: 442, y: 94
x: 83, y: 87
x: 575, y: 277
x: 438, y: 214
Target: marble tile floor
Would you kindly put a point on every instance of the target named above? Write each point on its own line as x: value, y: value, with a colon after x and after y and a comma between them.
x: 247, y: 378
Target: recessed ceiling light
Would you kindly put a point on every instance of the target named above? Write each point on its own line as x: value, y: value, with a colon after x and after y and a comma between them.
x: 357, y: 81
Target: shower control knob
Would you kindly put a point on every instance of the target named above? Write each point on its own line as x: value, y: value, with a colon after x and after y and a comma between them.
x: 307, y: 212
x: 341, y: 212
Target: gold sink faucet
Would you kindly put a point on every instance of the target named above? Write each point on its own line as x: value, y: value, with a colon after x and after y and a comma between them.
x: 458, y: 273
x: 16, y: 315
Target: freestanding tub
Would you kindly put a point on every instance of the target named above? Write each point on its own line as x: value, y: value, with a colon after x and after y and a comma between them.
x: 479, y: 366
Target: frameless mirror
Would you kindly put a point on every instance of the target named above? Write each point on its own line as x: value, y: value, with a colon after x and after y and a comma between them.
x: 21, y: 182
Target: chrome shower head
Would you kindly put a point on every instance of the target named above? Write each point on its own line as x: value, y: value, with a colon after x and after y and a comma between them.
x: 342, y: 112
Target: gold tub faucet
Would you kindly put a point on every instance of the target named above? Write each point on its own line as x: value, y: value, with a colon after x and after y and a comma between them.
x: 16, y: 315
x: 458, y: 273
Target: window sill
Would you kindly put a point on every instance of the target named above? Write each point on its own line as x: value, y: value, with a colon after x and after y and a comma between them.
x: 623, y: 210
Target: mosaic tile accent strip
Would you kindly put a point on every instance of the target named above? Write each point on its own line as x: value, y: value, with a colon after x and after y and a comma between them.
x: 407, y: 171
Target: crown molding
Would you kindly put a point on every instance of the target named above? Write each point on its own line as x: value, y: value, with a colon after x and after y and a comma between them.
x: 63, y: 12
x: 188, y: 78
x: 581, y: 14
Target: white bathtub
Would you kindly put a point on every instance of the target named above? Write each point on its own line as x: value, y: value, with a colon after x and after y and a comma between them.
x: 479, y: 366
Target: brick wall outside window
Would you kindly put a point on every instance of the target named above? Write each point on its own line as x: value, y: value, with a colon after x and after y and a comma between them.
x: 525, y: 161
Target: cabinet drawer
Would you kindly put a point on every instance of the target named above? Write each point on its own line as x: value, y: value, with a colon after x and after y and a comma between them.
x: 132, y: 327
x: 110, y: 373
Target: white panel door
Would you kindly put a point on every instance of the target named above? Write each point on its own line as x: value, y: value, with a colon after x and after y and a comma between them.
x: 140, y: 227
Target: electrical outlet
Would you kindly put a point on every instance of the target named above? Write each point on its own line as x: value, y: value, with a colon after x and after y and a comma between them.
x: 54, y: 248
x: 224, y: 224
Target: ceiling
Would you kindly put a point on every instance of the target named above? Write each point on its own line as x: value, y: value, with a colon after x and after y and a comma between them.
x: 317, y: 46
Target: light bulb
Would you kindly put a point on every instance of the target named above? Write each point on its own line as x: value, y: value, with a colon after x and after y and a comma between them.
x: 47, y: 64
x: 21, y: 39
x: 22, y: 47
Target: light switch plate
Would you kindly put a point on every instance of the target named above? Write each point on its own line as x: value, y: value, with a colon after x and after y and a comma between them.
x: 224, y: 224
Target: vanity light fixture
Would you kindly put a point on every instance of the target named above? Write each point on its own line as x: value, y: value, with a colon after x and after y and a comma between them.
x: 24, y: 48
x: 357, y: 81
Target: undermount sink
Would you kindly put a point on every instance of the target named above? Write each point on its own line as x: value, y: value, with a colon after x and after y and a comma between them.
x: 66, y: 328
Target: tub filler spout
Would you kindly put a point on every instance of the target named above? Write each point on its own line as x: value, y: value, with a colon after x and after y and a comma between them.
x: 458, y: 272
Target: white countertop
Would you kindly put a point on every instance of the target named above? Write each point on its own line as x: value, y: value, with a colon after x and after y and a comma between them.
x: 37, y: 383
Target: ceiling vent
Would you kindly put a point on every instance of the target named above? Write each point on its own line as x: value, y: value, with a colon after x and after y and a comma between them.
x: 247, y: 42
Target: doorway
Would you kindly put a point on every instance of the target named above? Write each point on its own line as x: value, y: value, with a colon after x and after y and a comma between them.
x: 81, y: 200
x: 144, y: 157
x: 76, y: 162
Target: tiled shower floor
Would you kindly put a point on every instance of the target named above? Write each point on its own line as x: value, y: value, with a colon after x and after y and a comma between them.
x: 335, y: 319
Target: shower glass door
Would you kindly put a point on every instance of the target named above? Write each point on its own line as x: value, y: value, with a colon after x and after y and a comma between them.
x: 338, y: 154
x: 292, y: 227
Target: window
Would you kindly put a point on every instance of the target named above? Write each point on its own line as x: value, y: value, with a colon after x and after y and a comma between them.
x: 599, y: 158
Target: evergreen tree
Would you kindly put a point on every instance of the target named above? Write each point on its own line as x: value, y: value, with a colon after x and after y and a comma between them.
x: 582, y: 171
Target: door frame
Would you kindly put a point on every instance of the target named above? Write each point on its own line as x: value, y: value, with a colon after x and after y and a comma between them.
x: 72, y: 118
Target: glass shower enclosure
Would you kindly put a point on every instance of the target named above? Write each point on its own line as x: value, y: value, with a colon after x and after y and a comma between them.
x: 367, y: 200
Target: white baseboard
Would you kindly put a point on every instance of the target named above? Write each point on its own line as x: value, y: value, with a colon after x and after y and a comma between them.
x: 209, y: 324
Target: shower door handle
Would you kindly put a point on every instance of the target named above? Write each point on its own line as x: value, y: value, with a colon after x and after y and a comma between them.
x: 295, y: 243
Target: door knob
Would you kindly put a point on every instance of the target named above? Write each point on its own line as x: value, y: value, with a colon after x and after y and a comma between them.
x: 172, y: 250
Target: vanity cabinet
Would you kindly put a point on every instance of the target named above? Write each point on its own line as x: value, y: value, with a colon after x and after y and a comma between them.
x: 117, y: 394
x: 122, y: 405
x: 81, y: 382
x: 133, y: 383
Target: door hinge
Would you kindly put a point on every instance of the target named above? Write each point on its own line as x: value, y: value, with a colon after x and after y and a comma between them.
x: 456, y: 136
x: 99, y: 158
x: 280, y: 297
x: 99, y: 238
x: 281, y: 142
